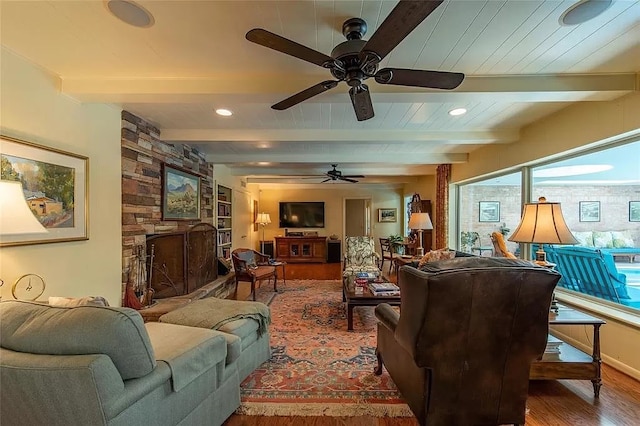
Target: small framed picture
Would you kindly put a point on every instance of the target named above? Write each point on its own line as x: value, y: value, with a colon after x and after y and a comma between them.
x: 589, y: 211
x: 489, y: 211
x: 634, y: 211
x: 180, y: 194
x: 387, y: 215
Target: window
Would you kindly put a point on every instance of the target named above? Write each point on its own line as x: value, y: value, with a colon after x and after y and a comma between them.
x: 486, y: 206
x: 596, y: 191
x: 599, y: 192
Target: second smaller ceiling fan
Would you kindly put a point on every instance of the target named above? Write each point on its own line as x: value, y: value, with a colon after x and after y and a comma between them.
x: 337, y: 175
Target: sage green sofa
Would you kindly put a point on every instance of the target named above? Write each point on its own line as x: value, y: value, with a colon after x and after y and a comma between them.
x: 94, y: 365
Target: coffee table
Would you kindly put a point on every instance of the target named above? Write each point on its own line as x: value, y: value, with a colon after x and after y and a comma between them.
x: 367, y: 298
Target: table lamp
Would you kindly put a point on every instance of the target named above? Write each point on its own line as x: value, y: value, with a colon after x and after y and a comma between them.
x: 263, y: 220
x: 542, y: 223
x: 419, y: 222
x: 16, y: 217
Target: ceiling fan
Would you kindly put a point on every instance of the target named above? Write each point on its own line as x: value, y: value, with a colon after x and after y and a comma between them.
x: 337, y: 175
x: 356, y: 60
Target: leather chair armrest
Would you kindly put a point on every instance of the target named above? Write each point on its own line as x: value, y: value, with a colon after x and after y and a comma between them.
x: 387, y: 316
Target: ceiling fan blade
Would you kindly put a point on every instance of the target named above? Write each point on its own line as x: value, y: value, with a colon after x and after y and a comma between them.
x: 403, y: 19
x: 305, y: 94
x: 284, y: 45
x: 326, y: 180
x: 419, y: 78
x: 361, y: 100
x: 349, y: 180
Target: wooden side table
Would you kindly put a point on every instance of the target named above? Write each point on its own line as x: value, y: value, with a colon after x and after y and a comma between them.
x: 281, y: 264
x: 572, y: 362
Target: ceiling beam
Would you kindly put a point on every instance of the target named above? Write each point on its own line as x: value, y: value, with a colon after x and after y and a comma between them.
x: 257, y: 88
x: 337, y: 136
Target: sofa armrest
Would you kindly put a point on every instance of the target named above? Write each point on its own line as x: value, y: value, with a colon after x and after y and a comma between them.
x: 387, y: 316
x: 57, y: 389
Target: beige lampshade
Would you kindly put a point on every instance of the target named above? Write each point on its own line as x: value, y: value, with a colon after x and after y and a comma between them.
x: 420, y: 221
x: 15, y: 215
x: 263, y: 219
x: 543, y: 223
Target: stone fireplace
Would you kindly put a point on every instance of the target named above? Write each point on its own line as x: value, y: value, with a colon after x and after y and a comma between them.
x: 143, y: 154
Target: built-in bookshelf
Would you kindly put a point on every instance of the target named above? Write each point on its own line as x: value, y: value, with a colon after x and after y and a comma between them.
x: 223, y: 219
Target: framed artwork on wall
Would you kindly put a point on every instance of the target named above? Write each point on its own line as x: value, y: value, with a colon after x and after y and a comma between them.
x: 489, y: 211
x: 634, y: 211
x: 55, y: 186
x: 387, y: 215
x: 180, y: 194
x: 589, y: 211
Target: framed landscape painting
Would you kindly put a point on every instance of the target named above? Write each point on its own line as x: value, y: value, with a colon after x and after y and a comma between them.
x: 55, y: 185
x: 589, y: 211
x: 180, y: 194
x: 634, y: 211
x: 489, y: 211
x: 387, y: 215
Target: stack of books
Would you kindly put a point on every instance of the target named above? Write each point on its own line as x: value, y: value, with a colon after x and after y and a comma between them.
x: 552, y: 351
x: 384, y: 289
x: 367, y: 275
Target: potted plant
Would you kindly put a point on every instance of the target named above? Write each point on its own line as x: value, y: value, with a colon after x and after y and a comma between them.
x: 468, y: 240
x: 396, y: 243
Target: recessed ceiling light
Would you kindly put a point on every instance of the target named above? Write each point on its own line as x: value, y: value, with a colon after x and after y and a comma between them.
x: 224, y: 112
x: 130, y: 13
x: 583, y: 11
x: 458, y: 111
x: 263, y: 163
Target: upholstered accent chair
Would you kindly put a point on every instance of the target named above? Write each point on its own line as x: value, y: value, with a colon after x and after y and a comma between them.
x: 252, y: 266
x: 461, y: 347
x: 360, y: 255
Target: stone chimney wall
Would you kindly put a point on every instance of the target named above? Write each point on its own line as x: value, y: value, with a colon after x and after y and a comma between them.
x: 143, y: 154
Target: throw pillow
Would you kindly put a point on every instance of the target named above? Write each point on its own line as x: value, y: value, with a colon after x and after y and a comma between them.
x: 602, y: 239
x: 622, y: 239
x: 585, y: 238
x: 71, y: 302
x: 435, y: 255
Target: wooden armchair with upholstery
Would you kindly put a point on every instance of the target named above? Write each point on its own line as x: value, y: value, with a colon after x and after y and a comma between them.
x: 252, y: 266
x: 462, y: 345
x: 360, y: 256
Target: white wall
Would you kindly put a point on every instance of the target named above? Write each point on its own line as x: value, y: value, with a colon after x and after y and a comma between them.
x: 34, y: 110
x: 572, y: 129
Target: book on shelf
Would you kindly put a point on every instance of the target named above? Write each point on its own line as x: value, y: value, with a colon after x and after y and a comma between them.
x: 552, y: 351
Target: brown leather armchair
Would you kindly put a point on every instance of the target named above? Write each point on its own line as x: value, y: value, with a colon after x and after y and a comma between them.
x: 252, y: 266
x: 461, y: 348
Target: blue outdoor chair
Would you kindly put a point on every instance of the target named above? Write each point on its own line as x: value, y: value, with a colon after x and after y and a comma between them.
x: 593, y: 272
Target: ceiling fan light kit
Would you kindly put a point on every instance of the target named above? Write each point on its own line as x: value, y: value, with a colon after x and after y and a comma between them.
x: 355, y: 60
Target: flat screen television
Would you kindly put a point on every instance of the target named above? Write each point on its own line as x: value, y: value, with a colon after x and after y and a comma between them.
x: 302, y: 214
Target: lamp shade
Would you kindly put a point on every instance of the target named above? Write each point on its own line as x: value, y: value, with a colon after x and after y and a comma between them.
x: 15, y: 215
x: 542, y: 223
x: 263, y: 219
x: 420, y: 221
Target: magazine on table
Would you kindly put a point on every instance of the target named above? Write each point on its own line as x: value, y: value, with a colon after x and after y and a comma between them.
x: 384, y: 289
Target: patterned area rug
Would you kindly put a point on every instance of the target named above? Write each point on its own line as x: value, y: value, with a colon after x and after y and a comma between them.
x: 317, y: 367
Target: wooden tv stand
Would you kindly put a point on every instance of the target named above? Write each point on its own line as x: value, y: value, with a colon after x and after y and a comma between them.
x: 301, y: 249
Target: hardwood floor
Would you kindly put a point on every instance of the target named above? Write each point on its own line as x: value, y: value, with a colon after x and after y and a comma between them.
x: 550, y: 403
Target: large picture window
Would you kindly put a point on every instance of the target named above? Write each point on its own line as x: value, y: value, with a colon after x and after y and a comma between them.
x: 598, y: 192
